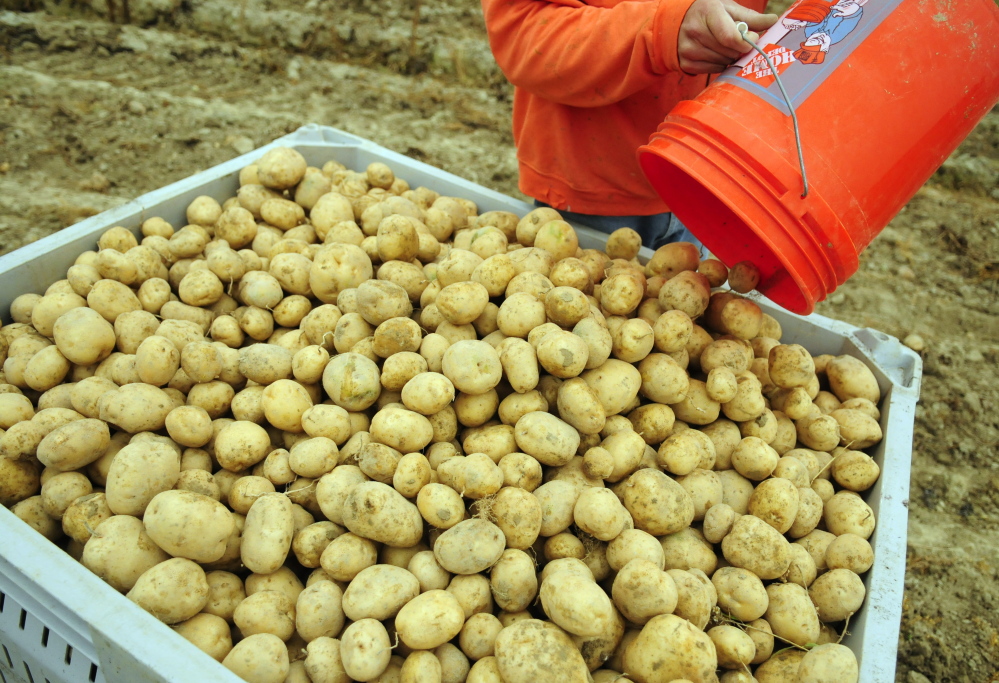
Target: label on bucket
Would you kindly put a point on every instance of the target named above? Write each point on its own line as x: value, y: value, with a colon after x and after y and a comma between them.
x: 806, y: 44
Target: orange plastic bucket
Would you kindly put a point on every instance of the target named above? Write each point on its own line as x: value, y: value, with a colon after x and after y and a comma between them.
x: 884, y: 91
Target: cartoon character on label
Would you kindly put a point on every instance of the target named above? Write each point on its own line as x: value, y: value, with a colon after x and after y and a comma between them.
x: 826, y: 22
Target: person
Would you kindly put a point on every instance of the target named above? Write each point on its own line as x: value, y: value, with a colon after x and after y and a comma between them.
x: 593, y: 80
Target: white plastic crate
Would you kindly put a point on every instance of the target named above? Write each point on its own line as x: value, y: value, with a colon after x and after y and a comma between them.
x: 59, y: 622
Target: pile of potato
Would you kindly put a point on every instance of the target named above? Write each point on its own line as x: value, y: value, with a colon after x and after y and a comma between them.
x: 338, y: 429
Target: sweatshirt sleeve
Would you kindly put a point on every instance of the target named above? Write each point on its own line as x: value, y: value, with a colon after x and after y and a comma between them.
x: 583, y: 55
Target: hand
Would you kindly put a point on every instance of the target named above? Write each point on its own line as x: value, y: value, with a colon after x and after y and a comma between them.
x: 794, y: 24
x: 845, y: 8
x: 708, y: 40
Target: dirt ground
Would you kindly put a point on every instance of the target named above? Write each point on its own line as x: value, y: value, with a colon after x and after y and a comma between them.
x: 95, y: 111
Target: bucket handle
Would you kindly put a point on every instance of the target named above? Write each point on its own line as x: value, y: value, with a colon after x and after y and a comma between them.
x: 743, y: 28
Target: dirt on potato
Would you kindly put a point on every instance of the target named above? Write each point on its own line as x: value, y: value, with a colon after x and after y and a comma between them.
x: 104, y: 100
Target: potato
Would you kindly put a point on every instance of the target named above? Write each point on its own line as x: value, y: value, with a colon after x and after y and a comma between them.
x: 245, y: 490
x: 61, y: 489
x: 352, y: 381
x: 598, y: 339
x: 31, y: 511
x: 802, y: 569
x: 21, y: 306
x: 735, y: 649
x: 404, y: 430
x: 705, y: 490
x: 281, y: 168
x: 791, y: 614
x: 469, y: 547
x: 14, y: 408
x: 265, y: 363
x: 849, y: 551
x: 241, y: 444
x: 598, y: 463
x: 517, y: 513
x: 579, y: 406
x: 754, y: 459
x: 429, y: 620
x: 740, y: 593
x: 621, y: 293
x: 282, y: 213
x: 172, y: 591
x: 657, y: 503
x: 138, y: 472
x: 846, y: 512
x: 379, y: 592
x: 642, y: 590
x: 208, y: 633
x: 615, y: 383
x: 190, y: 525
x: 529, y: 226
x: 136, y: 408
x: 473, y: 593
x: 200, y: 288
x: 520, y: 364
x: 599, y: 513
x: 633, y: 340
x: 530, y: 649
x: 51, y: 307
x: 687, y: 550
x: 810, y: 507
x: 513, y: 580
x: 669, y: 648
x: 420, y: 665
x: 266, y: 611
x: 347, y: 555
x: 557, y: 238
x: 473, y: 367
x: 684, y: 451
x: 431, y: 575
x: 74, y: 445
x: 260, y: 658
x: 83, y: 336
x: 632, y: 544
x: 331, y: 422
x: 623, y: 243
x: 284, y: 401
x: 323, y: 663
x: 189, y: 426
x: 857, y: 429
x: 267, y: 533
x: 337, y: 267
x: 755, y: 545
x: 380, y: 513
x: 828, y: 663
x: 478, y: 636
x: 696, y: 407
x: 775, y: 501
x: 545, y: 437
x: 310, y: 542
x: 462, y: 302
x: 576, y: 603
x: 493, y: 440
x: 790, y: 366
x: 837, y: 594
x: 851, y: 378
x: 721, y: 385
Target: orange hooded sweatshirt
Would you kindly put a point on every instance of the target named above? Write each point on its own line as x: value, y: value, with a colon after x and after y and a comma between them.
x: 593, y: 80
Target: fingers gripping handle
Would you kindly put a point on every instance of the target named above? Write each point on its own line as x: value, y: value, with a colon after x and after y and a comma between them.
x: 743, y: 29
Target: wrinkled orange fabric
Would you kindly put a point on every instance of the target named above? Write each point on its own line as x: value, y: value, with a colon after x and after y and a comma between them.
x: 593, y: 80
